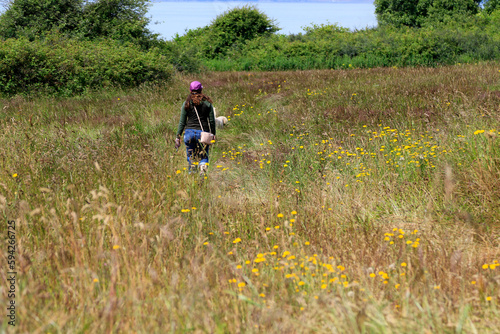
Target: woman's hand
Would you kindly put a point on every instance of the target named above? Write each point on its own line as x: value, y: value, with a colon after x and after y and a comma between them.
x: 177, y: 143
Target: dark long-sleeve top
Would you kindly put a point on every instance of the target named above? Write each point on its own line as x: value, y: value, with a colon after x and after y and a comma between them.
x: 190, y: 121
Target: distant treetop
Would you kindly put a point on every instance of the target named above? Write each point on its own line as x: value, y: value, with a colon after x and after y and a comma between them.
x: 123, y: 20
x: 415, y: 13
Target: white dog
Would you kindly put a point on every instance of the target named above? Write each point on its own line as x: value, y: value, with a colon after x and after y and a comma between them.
x: 219, y: 121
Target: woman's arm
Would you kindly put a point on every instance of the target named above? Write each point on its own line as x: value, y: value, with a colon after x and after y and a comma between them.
x: 182, y: 121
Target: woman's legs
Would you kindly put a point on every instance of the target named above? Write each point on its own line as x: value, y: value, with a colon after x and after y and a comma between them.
x: 194, y: 150
x: 204, y: 158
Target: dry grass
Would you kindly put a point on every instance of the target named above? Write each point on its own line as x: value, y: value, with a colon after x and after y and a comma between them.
x: 336, y: 201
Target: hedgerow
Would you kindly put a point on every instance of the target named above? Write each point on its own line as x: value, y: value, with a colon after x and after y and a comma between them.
x: 330, y: 46
x: 62, y: 66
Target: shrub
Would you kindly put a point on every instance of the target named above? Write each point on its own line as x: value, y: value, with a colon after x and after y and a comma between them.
x: 184, y: 59
x: 61, y: 66
x: 491, y: 5
x: 123, y: 20
x: 239, y: 25
x: 414, y: 13
x: 228, y: 32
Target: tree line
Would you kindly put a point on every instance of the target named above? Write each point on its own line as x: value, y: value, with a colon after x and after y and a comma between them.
x: 418, y: 13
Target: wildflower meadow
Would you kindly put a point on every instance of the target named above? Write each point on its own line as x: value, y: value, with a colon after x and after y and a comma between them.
x: 336, y: 201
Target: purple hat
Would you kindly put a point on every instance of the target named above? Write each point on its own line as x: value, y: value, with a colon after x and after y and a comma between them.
x: 195, y: 85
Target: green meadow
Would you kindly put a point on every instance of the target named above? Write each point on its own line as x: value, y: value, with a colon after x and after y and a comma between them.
x: 336, y: 201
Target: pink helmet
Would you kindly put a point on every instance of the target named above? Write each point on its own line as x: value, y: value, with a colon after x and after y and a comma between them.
x: 195, y: 85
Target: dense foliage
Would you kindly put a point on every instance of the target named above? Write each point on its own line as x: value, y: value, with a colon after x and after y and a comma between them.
x: 227, y: 32
x: 329, y: 46
x: 64, y: 66
x: 491, y: 5
x: 237, y: 26
x: 68, y: 47
x: 415, y: 13
x: 32, y: 18
x: 123, y: 20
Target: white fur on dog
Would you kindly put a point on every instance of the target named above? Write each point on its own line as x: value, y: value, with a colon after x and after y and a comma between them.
x: 220, y: 121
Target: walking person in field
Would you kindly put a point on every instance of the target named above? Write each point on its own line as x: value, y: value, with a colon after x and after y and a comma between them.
x: 197, y: 115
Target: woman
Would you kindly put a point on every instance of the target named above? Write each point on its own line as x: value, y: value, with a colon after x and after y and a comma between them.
x: 196, y: 103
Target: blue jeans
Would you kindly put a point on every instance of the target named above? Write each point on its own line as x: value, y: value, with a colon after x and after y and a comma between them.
x: 194, y: 150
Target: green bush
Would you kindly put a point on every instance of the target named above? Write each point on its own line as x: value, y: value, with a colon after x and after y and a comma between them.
x: 238, y: 25
x: 227, y: 33
x: 491, y: 5
x: 123, y: 20
x: 415, y: 13
x: 61, y: 66
x: 183, y: 59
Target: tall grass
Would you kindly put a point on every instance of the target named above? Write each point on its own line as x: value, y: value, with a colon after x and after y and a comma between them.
x: 336, y: 201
